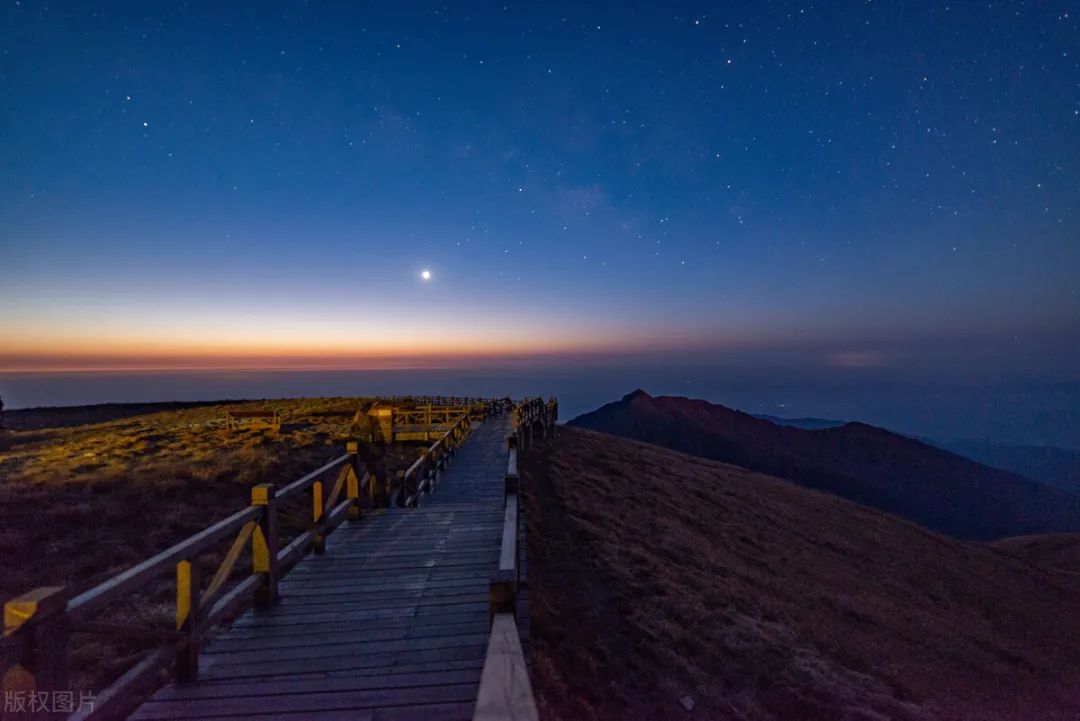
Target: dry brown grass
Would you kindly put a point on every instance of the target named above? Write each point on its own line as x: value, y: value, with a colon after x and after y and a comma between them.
x: 654, y: 574
x: 1053, y: 551
x: 79, y: 504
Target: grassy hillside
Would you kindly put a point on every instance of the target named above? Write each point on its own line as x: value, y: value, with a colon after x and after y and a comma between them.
x: 1053, y: 551
x: 81, y: 503
x: 656, y: 575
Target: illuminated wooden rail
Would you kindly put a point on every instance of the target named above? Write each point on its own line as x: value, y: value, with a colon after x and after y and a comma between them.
x: 505, y: 690
x: 38, y: 624
x: 403, y: 419
x: 420, y: 478
x: 446, y: 401
x: 264, y: 418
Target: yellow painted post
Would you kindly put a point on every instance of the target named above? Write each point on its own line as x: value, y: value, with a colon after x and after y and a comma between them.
x: 319, y: 542
x: 264, y: 545
x: 35, y: 621
x: 187, y: 619
x: 352, y: 483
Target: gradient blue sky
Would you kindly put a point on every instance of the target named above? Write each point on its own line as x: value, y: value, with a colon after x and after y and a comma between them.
x: 853, y: 184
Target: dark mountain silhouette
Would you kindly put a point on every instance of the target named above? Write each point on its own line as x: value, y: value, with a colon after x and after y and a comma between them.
x: 931, y: 486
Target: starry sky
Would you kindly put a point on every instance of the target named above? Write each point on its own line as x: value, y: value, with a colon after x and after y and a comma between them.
x: 857, y: 187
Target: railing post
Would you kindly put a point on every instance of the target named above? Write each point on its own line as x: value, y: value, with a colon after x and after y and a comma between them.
x: 398, y: 500
x: 37, y: 621
x: 352, y: 483
x: 372, y: 457
x: 511, y: 484
x: 318, y: 544
x: 187, y: 619
x: 502, y: 593
x: 553, y: 404
x: 264, y: 545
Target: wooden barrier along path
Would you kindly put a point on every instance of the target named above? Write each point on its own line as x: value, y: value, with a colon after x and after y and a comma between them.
x: 392, y: 622
x: 413, y: 609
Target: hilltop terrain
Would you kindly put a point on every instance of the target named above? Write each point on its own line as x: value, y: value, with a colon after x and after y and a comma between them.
x: 28, y: 419
x: 658, y: 577
x: 931, y: 486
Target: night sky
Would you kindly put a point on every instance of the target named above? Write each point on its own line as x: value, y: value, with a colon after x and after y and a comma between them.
x: 859, y: 187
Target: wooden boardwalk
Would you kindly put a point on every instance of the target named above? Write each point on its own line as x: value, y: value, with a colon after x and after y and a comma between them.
x: 391, y: 623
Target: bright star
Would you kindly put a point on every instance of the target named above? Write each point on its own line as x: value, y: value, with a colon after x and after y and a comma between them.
x: 425, y: 274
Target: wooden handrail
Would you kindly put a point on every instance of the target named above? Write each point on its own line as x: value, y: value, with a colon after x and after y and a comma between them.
x: 505, y: 690
x: 434, y: 459
x: 88, y: 602
x: 306, y: 481
x: 508, y: 550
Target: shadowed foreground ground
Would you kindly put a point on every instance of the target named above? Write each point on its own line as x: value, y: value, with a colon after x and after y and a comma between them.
x: 656, y: 575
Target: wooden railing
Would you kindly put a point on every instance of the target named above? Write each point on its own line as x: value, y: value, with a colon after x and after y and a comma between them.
x: 428, y: 415
x: 477, y: 408
x: 418, y: 418
x: 420, y: 478
x: 37, y: 625
x: 440, y: 400
x: 505, y: 689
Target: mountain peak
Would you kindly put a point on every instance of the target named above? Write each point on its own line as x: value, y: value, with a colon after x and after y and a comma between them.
x: 638, y: 394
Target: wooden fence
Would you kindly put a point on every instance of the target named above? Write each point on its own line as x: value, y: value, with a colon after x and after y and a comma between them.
x: 267, y: 418
x: 417, y: 418
x: 505, y: 690
x: 37, y: 625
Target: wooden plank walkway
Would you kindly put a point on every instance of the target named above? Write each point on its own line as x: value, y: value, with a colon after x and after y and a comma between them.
x: 392, y: 623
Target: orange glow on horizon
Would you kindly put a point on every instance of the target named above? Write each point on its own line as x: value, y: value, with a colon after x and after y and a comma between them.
x: 133, y: 356
x: 285, y: 340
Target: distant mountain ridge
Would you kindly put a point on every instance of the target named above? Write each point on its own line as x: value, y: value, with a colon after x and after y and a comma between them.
x: 808, y: 424
x: 1058, y: 467
x: 897, y: 474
